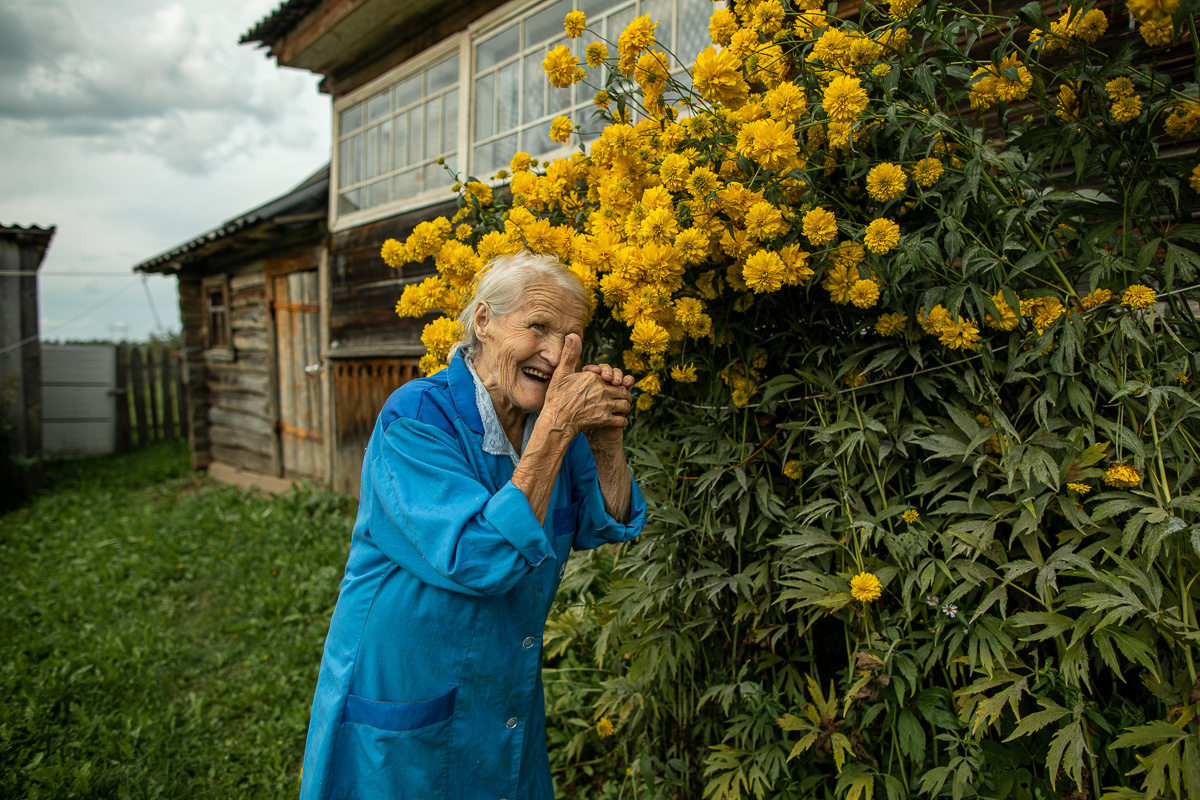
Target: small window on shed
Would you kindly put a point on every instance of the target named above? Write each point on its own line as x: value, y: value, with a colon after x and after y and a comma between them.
x: 216, y: 312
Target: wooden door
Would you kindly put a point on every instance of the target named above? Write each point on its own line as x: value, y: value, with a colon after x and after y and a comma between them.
x: 297, y: 333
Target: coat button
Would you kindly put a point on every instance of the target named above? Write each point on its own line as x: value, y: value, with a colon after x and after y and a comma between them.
x: 528, y: 643
x: 512, y: 723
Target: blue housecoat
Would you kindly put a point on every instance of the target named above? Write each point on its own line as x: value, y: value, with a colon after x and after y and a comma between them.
x: 430, y: 685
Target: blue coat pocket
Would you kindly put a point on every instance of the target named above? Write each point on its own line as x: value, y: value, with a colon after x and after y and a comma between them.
x: 399, y: 716
x: 566, y: 519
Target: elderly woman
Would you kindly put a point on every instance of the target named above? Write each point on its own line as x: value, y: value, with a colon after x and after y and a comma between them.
x: 476, y: 484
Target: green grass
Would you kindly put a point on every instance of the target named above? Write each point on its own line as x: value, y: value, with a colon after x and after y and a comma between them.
x: 162, y: 634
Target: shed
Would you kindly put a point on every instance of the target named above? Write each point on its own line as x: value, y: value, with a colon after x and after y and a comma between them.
x: 21, y: 252
x: 254, y: 302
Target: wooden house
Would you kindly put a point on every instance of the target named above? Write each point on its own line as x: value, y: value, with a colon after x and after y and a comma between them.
x: 424, y: 91
x: 253, y: 294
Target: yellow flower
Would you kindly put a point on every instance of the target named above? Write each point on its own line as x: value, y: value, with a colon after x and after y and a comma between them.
x: 962, y: 335
x: 927, y: 171
x: 480, y: 191
x: 763, y: 272
x: 649, y: 338
x: 767, y: 17
x: 1157, y: 10
x: 637, y: 36
x: 881, y: 69
x: 864, y: 293
x: 881, y: 236
x: 786, y: 102
x: 1066, y: 107
x: 1183, y: 379
x: 911, y: 515
x: 562, y: 68
x: 1082, y: 488
x: 601, y: 100
x: 820, y: 226
x: 717, y: 76
x: 891, y: 324
x: 595, y: 54
x: 844, y: 99
x: 886, y: 181
x: 1008, y: 318
x: 1119, y: 87
x: 1194, y: 180
x: 394, y: 254
x: 651, y: 384
x: 645, y: 401
x: 839, y: 281
x: 1183, y: 119
x: 684, y: 374
x: 1095, y: 298
x: 561, y: 129
x: 765, y: 221
x: 1157, y: 34
x: 1138, y: 296
x: 439, y: 335
x: 1127, y: 109
x: 721, y: 26
x: 898, y: 9
x: 847, y: 254
x: 605, y: 728
x: 793, y: 470
x: 575, y: 22
x: 865, y: 587
x: 1122, y: 476
x: 519, y: 163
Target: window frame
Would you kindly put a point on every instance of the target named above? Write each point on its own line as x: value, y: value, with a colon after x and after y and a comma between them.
x: 452, y: 45
x: 215, y: 350
x: 464, y: 43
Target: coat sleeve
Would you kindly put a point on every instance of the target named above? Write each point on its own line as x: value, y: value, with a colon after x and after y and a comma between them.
x: 433, y: 517
x: 596, y: 526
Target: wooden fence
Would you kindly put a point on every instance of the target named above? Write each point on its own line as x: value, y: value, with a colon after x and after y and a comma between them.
x: 150, y: 380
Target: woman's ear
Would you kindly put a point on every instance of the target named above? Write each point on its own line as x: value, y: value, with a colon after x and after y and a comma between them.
x: 483, y: 316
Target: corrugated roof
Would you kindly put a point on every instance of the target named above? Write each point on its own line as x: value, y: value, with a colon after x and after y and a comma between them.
x: 311, y: 196
x: 276, y: 24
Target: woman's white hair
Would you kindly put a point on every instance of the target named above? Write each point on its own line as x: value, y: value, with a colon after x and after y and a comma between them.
x: 502, y: 284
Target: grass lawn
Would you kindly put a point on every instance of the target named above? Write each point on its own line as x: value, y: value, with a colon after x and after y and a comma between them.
x: 161, y: 634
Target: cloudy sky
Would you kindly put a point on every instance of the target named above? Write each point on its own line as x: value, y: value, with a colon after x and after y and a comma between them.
x: 134, y: 126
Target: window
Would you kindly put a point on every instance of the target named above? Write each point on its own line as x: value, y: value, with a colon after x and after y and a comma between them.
x: 216, y: 314
x: 391, y: 135
x: 389, y: 143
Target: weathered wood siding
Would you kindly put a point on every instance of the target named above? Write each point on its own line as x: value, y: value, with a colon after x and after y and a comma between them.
x: 360, y: 387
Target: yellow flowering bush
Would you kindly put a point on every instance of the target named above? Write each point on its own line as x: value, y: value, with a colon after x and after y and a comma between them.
x: 921, y: 256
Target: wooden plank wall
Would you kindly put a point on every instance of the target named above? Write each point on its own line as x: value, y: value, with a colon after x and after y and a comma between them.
x: 240, y: 413
x: 195, y: 367
x: 364, y: 290
x: 360, y: 388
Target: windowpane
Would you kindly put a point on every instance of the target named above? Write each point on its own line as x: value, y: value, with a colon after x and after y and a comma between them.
x: 401, y: 124
x: 618, y: 21
x: 443, y: 75
x: 450, y: 129
x: 433, y: 128
x: 534, y: 105
x: 415, y: 128
x: 344, y: 151
x: 536, y: 140
x: 485, y: 100
x: 546, y: 23
x: 407, y: 92
x: 349, y: 201
x: 372, y: 154
x: 483, y: 163
x: 693, y: 30
x: 385, y: 147
x: 351, y: 119
x: 503, y: 150
x: 660, y: 12
x: 356, y: 158
x: 508, y: 97
x: 496, y: 49
x: 378, y: 106
x: 436, y: 176
x: 595, y: 7
x: 406, y: 184
x: 376, y: 194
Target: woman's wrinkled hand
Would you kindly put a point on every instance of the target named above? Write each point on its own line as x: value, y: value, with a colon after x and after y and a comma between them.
x: 594, y: 401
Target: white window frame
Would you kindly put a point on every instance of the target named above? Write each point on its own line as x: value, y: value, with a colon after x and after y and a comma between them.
x: 464, y: 43
x: 426, y: 58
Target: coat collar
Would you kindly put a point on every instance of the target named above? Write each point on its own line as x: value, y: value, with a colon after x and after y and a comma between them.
x: 462, y: 389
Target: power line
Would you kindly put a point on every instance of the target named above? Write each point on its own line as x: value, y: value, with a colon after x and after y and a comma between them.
x: 150, y: 300
x: 22, y: 273
x: 103, y: 302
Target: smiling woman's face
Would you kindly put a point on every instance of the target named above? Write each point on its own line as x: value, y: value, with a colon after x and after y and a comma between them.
x: 520, y: 351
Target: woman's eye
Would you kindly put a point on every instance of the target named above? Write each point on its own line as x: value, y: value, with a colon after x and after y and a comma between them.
x: 536, y: 327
